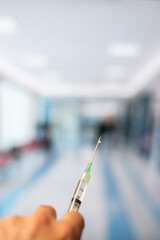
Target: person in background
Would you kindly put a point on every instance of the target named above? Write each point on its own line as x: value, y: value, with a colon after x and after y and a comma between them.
x: 42, y: 225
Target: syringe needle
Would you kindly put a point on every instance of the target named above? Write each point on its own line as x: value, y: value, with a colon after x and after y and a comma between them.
x: 82, y: 185
x: 98, y: 142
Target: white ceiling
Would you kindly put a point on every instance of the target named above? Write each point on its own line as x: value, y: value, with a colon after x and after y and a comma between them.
x: 73, y: 37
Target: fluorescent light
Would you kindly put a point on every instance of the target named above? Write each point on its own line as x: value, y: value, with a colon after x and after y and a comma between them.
x: 36, y: 61
x: 123, y: 49
x: 37, y: 85
x: 115, y: 72
x: 95, y: 90
x: 8, y: 25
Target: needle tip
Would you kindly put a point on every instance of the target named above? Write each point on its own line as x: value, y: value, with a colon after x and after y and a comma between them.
x: 99, y: 140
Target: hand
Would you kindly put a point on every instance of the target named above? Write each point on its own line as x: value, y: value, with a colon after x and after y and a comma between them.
x: 42, y: 225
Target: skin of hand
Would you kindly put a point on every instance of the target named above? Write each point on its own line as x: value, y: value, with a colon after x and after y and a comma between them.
x: 42, y: 225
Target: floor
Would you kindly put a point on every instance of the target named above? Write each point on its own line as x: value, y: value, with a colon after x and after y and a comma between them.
x: 122, y: 201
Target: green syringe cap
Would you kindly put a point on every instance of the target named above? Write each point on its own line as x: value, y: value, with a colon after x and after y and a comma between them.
x: 88, y: 168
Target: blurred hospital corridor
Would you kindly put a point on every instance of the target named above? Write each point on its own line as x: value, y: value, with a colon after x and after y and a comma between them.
x: 122, y: 200
x: 70, y: 72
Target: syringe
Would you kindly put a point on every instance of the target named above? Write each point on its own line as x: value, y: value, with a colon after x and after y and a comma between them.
x: 82, y: 185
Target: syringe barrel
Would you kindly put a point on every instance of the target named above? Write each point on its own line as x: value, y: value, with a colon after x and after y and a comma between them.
x: 79, y: 192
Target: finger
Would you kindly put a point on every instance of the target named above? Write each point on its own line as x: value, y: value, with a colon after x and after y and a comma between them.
x: 45, y: 210
x: 75, y: 220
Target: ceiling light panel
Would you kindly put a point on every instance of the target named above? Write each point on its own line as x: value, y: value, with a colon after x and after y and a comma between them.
x: 8, y: 25
x: 123, y: 49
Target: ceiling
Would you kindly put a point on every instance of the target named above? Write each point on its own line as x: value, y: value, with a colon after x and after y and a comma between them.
x: 64, y: 48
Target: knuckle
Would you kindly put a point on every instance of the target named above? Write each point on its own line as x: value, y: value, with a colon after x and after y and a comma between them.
x: 42, y: 219
x: 47, y: 209
x: 14, y: 219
